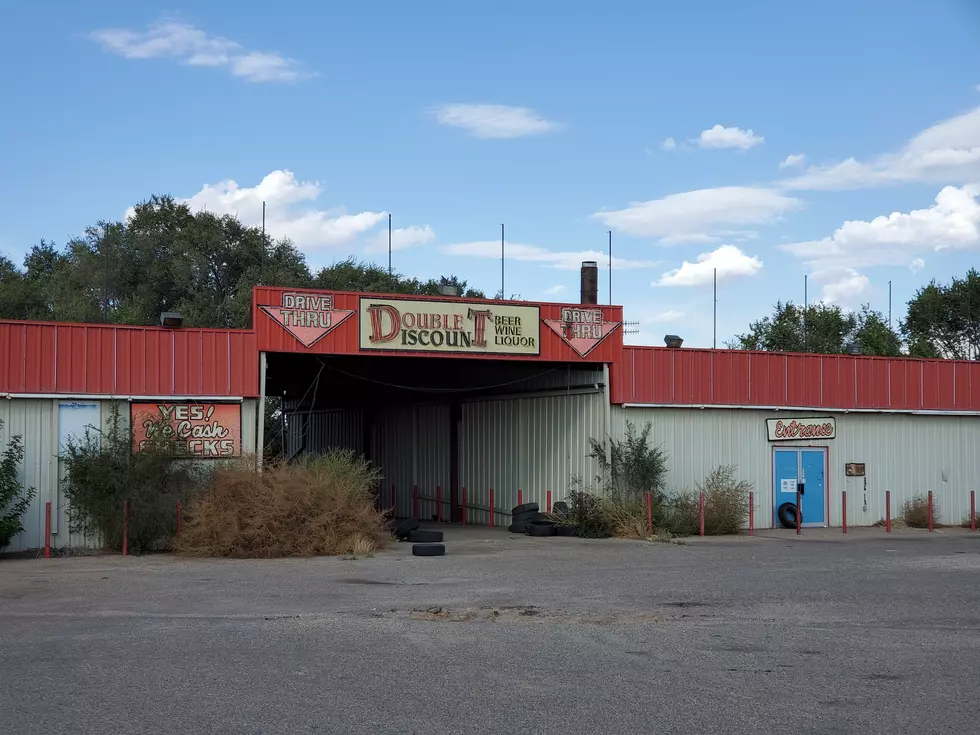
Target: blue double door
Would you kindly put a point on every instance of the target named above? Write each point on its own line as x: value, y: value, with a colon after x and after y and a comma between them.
x: 796, y: 466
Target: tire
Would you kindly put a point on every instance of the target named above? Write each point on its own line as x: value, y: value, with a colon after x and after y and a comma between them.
x: 404, y: 528
x: 421, y: 536
x: 787, y: 515
x: 560, y: 508
x: 518, y: 527
x: 566, y: 529
x: 525, y: 508
x: 541, y: 529
x: 428, y: 550
x: 529, y: 517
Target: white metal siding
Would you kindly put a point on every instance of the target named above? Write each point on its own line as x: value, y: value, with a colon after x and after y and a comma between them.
x: 906, y: 454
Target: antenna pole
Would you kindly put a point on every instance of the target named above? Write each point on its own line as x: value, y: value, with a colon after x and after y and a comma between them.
x: 806, y: 309
x: 389, y: 245
x: 610, y: 267
x: 714, y: 338
x: 503, y: 295
x: 889, y: 304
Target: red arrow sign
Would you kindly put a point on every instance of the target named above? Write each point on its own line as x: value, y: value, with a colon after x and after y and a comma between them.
x: 308, y: 327
x: 573, y: 333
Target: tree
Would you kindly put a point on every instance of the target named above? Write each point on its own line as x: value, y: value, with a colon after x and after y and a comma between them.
x: 165, y: 257
x: 820, y: 328
x: 944, y: 320
x: 15, y: 499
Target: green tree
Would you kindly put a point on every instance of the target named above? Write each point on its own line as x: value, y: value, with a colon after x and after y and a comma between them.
x: 820, y: 328
x: 15, y: 499
x: 944, y: 320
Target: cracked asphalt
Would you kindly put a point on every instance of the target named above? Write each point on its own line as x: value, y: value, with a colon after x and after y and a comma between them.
x: 504, y: 634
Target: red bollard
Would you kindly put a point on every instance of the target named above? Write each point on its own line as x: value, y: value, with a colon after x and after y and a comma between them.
x: 888, y: 511
x: 415, y: 502
x: 930, y: 511
x: 125, y: 527
x: 843, y: 506
x: 701, y: 512
x: 973, y: 510
x: 799, y: 513
x: 548, y: 500
x: 464, y: 505
x: 439, y: 503
x: 520, y: 497
x: 751, y: 513
x: 47, y: 530
x: 649, y: 514
x: 491, y: 508
x: 180, y: 518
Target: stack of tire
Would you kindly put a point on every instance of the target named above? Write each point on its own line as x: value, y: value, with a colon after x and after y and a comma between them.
x: 424, y: 542
x: 528, y: 519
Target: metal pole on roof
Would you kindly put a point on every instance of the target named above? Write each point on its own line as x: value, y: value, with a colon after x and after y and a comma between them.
x: 714, y: 337
x: 503, y: 295
x: 389, y: 245
x: 262, y: 263
x: 610, y: 267
x: 889, y: 304
x: 806, y: 310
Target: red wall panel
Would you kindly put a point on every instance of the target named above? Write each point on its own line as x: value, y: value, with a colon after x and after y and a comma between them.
x: 693, y: 377
x: 91, y: 359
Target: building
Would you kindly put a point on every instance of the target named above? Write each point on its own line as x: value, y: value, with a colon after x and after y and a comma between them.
x: 455, y: 397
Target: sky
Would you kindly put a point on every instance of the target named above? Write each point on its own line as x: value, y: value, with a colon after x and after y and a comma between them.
x: 762, y: 140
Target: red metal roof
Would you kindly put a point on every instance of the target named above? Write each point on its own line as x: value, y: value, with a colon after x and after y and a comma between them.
x: 89, y: 359
x: 693, y: 377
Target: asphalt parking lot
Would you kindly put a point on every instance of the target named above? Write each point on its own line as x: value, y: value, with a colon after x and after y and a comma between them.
x: 505, y: 634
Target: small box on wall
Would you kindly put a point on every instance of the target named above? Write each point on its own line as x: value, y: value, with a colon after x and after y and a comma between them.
x: 854, y: 469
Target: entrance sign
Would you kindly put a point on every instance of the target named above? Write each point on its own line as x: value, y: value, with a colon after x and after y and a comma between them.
x: 451, y: 327
x: 807, y: 428
x: 208, y: 430
x: 582, y: 328
x: 309, y: 317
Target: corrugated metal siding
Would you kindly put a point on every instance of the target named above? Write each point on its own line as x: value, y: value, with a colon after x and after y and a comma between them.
x: 904, y: 453
x: 734, y: 377
x: 432, y: 457
x: 395, y: 454
x: 324, y: 430
x: 535, y: 444
x: 81, y: 359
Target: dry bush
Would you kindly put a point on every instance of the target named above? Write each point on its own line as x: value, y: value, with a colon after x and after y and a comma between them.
x: 323, y: 505
x: 627, y: 520
x: 915, y: 513
x: 726, y: 505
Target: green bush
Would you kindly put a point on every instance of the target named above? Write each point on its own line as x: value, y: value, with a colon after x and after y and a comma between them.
x: 103, y: 473
x: 633, y: 467
x: 15, y: 499
x: 726, y: 505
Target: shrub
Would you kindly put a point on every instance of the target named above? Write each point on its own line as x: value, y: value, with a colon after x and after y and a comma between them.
x: 633, y: 468
x: 601, y: 517
x: 103, y: 472
x: 15, y: 499
x: 726, y: 505
x: 322, y: 505
x: 915, y: 513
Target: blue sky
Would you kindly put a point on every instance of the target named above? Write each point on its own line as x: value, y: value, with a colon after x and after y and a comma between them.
x: 672, y: 126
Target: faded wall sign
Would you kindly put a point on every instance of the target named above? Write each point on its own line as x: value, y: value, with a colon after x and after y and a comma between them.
x: 808, y: 428
x: 208, y: 430
x: 440, y: 326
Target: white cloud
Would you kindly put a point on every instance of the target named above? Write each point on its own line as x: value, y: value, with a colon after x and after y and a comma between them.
x: 846, y: 288
x: 194, y: 47
x: 953, y: 222
x: 917, y: 265
x: 795, y: 159
x: 567, y: 260
x: 729, y: 261
x: 704, y: 216
x: 285, y: 215
x: 494, y: 121
x: 401, y: 238
x: 669, y: 144
x: 720, y: 137
x: 948, y: 153
x: 661, y: 317
x: 555, y: 290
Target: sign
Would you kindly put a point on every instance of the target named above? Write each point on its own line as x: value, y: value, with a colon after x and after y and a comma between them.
x: 582, y: 328
x: 450, y: 327
x: 811, y: 428
x: 787, y: 485
x: 854, y: 469
x: 309, y: 317
x: 208, y: 430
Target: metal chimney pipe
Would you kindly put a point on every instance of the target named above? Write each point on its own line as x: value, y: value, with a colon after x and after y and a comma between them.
x: 590, y: 282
